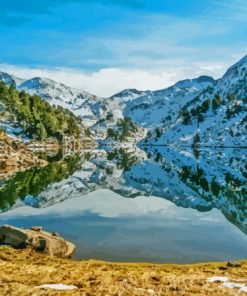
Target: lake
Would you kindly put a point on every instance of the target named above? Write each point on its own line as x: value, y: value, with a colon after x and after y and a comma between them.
x: 156, y: 204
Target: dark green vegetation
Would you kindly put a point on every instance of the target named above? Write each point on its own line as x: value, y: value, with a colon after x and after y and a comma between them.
x: 37, y: 118
x: 124, y: 129
x: 34, y: 181
x: 123, y: 158
x: 222, y: 187
x: 233, y: 190
x: 199, y: 110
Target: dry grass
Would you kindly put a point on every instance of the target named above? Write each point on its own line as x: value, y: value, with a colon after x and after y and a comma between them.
x: 22, y: 270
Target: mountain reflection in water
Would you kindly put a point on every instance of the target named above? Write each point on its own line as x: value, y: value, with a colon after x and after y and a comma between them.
x: 204, y: 180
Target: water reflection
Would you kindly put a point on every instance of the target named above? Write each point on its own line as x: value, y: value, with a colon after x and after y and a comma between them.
x: 198, y: 179
x: 106, y: 226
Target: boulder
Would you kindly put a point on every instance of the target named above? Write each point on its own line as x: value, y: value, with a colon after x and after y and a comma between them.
x: 37, y: 239
x: 36, y: 228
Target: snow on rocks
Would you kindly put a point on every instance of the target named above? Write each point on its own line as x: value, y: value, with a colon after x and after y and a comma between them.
x: 226, y: 283
x: 218, y: 279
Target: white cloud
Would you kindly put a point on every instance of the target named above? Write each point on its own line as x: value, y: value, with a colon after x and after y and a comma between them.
x: 212, y: 67
x: 109, y: 81
x: 104, y: 82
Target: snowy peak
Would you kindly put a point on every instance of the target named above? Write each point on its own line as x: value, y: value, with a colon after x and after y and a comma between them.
x: 46, y: 88
x: 235, y: 80
x: 239, y: 69
x: 37, y: 82
x: 154, y: 108
x: 49, y: 89
x: 8, y: 79
x: 241, y: 62
x: 199, y: 83
x: 129, y: 94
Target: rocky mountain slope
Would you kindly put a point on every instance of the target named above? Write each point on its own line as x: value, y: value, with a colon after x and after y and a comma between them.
x: 217, y: 116
x: 100, y: 114
x: 30, y: 117
x: 158, y: 107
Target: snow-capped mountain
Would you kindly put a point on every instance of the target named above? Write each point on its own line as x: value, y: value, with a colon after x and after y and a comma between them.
x: 59, y: 94
x: 100, y: 114
x: 235, y: 80
x: 8, y: 79
x: 162, y: 106
x: 214, y: 109
x: 129, y: 94
x: 217, y: 116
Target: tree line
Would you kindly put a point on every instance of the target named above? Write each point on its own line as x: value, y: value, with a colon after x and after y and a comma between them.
x: 37, y: 118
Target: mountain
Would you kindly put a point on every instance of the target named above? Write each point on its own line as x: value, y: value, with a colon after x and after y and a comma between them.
x: 59, y: 94
x: 129, y: 94
x: 157, y: 107
x: 8, y: 79
x: 202, y: 109
x: 102, y: 115
x: 30, y: 116
x: 216, y: 116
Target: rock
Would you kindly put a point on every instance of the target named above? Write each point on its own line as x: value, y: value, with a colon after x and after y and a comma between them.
x: 16, y: 156
x: 233, y: 264
x: 13, y: 236
x: 223, y: 268
x: 55, y: 234
x: 36, y: 228
x: 38, y: 239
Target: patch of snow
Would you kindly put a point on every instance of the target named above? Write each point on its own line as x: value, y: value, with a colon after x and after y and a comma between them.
x: 225, y: 283
x: 218, y: 279
x: 60, y: 287
x: 232, y: 285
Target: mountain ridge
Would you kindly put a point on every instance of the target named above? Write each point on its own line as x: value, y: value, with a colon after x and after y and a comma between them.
x: 160, y: 109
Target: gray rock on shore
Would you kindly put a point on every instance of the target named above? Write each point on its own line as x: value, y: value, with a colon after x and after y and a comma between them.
x: 36, y: 238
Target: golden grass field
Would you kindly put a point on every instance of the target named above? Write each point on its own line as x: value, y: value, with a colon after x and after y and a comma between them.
x: 22, y: 270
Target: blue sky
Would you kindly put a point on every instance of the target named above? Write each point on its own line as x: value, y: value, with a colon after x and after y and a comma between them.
x: 106, y: 45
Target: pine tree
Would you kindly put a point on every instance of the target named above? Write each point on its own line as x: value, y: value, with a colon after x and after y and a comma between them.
x: 196, y: 140
x: 216, y: 102
x: 186, y: 117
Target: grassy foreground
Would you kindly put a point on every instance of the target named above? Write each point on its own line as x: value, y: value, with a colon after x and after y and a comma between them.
x: 22, y: 270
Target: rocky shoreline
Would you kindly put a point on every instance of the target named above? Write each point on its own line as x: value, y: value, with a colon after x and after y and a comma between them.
x: 16, y: 156
x: 32, y: 271
x: 37, y: 239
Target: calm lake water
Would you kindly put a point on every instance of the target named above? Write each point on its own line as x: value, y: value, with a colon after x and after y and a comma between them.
x: 160, y: 205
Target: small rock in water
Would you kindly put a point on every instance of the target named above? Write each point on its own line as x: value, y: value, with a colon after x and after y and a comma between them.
x: 233, y: 264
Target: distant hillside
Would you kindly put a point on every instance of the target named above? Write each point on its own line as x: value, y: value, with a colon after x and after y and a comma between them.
x: 29, y: 115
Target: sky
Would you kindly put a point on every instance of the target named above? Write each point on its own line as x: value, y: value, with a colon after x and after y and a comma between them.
x: 105, y: 46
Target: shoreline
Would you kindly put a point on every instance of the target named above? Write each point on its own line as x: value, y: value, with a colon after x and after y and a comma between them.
x: 21, y: 271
